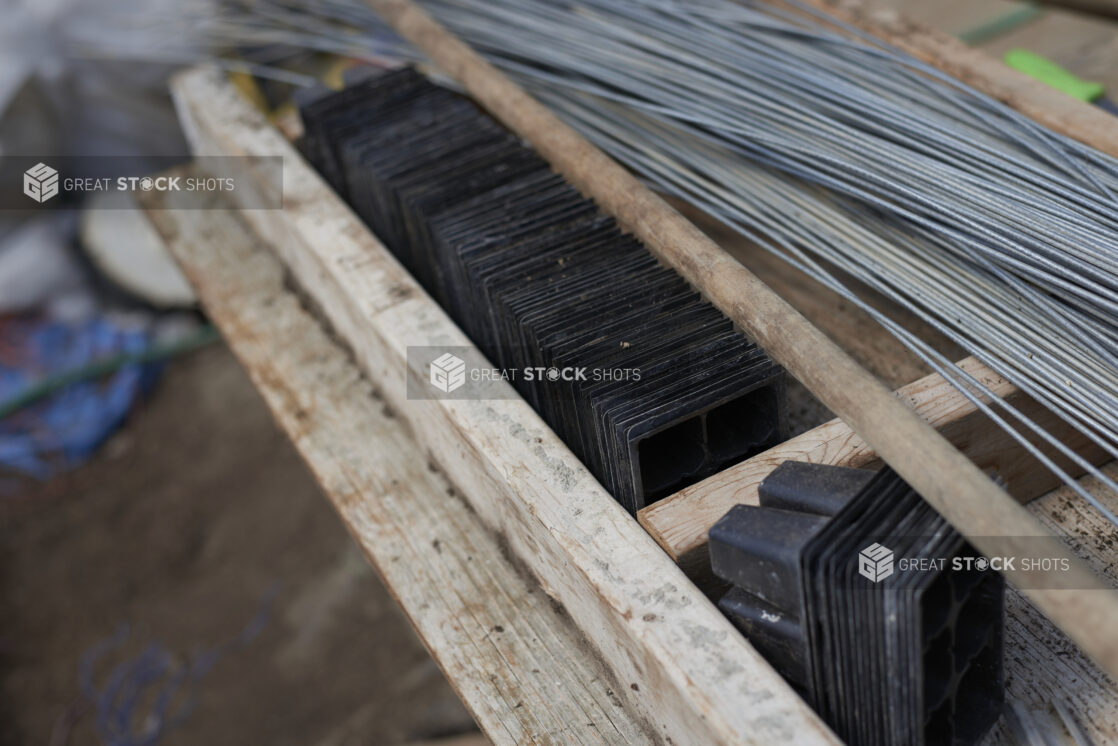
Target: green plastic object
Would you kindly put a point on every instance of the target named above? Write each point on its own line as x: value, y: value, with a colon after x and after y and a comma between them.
x: 1051, y: 74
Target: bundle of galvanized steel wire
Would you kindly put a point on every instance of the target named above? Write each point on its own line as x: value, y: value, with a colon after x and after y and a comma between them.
x: 832, y: 150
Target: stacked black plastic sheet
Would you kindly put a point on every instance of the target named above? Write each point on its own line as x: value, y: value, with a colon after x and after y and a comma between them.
x: 888, y: 652
x: 653, y: 388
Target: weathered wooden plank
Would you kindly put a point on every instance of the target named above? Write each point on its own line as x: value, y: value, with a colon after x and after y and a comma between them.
x: 518, y: 663
x: 680, y: 665
x: 680, y: 522
x: 1042, y: 665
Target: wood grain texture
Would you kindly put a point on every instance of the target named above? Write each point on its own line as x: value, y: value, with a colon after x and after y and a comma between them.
x: 680, y: 523
x: 1042, y: 665
x: 681, y: 667
x: 497, y: 637
x: 940, y: 473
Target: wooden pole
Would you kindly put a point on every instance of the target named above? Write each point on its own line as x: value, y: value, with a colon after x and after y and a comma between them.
x: 953, y: 485
x: 673, y: 660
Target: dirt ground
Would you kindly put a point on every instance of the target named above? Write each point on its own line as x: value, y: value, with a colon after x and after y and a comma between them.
x: 183, y: 527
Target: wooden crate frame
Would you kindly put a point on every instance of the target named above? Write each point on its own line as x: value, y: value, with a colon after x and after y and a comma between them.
x: 636, y: 608
x: 692, y: 677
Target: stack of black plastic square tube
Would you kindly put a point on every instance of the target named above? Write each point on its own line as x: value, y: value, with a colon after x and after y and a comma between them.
x: 540, y: 278
x: 844, y: 580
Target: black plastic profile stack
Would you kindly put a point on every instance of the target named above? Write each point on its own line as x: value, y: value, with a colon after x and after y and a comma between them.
x: 888, y: 652
x: 540, y: 278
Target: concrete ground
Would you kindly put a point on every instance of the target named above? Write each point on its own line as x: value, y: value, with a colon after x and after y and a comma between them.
x: 183, y: 527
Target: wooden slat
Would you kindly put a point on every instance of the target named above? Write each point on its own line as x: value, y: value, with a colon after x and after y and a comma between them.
x: 499, y: 640
x: 678, y: 663
x: 1042, y: 665
x: 679, y: 523
x: 943, y: 476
